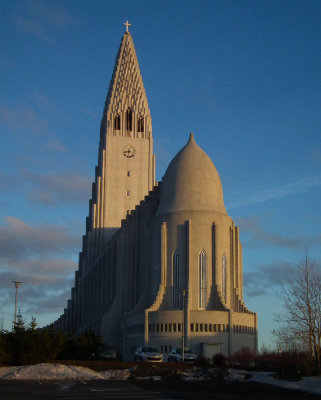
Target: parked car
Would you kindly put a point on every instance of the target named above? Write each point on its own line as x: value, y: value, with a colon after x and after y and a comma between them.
x: 177, y: 355
x: 106, y: 353
x: 147, y: 353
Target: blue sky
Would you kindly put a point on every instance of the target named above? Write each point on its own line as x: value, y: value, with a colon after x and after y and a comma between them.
x: 244, y: 76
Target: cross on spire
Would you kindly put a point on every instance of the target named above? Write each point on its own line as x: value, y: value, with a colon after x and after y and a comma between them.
x: 127, y: 24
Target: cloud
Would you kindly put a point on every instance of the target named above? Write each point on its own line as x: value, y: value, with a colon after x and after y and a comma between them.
x: 33, y: 254
x: 267, y: 277
x: 21, y: 241
x: 315, y: 155
x: 53, y: 302
x: 56, y: 145
x: 49, y: 189
x: 259, y: 236
x: 271, y: 278
x: 53, y: 189
x: 42, y: 101
x: 38, y: 294
x: 302, y: 185
x: 22, y: 118
x: 42, y: 266
x: 40, y: 18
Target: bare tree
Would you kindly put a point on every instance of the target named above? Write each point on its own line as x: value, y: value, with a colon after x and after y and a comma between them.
x: 301, y: 316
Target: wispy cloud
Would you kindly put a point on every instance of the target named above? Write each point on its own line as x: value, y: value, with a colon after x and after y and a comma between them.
x: 42, y: 101
x: 40, y: 18
x: 261, y: 237
x: 22, y: 241
x: 50, y: 190
x: 315, y: 155
x: 53, y: 189
x: 41, y: 257
x: 271, y: 278
x: 22, y: 119
x: 56, y: 145
x: 302, y: 185
x: 38, y: 294
x: 268, y: 278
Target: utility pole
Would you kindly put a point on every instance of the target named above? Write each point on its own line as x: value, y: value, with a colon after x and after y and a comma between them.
x: 183, y: 324
x: 16, y: 284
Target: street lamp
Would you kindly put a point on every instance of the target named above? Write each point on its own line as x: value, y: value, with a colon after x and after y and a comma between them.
x: 16, y: 284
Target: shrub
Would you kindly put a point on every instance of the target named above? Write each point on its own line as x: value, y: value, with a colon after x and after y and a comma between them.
x: 219, y: 360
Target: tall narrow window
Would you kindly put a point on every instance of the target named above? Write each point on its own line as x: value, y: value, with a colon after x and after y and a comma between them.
x: 140, y: 124
x: 117, y: 122
x: 176, y: 289
x: 129, y: 119
x: 202, y: 278
x: 224, y: 278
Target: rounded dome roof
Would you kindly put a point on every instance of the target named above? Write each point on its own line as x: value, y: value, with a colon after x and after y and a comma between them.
x: 191, y: 183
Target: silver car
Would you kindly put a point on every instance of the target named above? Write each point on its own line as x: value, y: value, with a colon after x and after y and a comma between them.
x: 147, y: 353
x: 177, y: 355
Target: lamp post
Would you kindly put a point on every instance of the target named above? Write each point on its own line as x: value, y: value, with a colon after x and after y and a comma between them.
x: 183, y: 324
x: 16, y: 284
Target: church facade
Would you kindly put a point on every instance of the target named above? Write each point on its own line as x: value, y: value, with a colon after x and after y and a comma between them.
x: 161, y: 263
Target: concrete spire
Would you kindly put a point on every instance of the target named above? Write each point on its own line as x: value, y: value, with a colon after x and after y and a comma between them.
x: 126, y: 92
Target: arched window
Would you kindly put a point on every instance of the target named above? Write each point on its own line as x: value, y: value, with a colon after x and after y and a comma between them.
x: 140, y: 124
x: 117, y: 122
x: 224, y: 278
x: 129, y: 119
x: 176, y: 288
x: 202, y: 278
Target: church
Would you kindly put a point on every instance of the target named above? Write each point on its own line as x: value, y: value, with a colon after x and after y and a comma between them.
x: 161, y: 262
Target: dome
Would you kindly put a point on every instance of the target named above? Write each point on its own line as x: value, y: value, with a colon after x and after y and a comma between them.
x: 191, y: 183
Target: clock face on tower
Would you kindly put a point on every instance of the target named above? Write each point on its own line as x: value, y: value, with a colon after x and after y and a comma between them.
x: 129, y: 151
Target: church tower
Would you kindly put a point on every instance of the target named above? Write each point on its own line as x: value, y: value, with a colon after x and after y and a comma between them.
x: 126, y: 164
x: 158, y: 263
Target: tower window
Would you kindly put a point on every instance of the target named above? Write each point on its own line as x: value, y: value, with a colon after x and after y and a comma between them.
x: 129, y: 119
x: 224, y: 278
x: 140, y: 124
x: 117, y: 122
x: 128, y: 173
x: 176, y: 289
x: 202, y: 278
x: 127, y: 193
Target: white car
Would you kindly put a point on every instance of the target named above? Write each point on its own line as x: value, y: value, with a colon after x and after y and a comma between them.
x: 177, y: 355
x: 147, y: 353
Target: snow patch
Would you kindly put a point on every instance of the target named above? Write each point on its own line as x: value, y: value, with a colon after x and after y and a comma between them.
x: 310, y: 384
x: 55, y: 371
x: 70, y: 372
